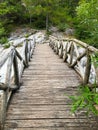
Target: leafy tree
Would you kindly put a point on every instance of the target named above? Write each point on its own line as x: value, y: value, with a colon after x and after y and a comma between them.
x: 87, y: 19
x: 49, y: 10
x: 70, y: 5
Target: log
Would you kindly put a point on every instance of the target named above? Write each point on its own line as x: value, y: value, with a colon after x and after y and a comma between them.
x: 14, y: 87
x: 3, y: 86
x: 4, y: 58
x: 71, y: 53
x: 88, y: 68
x: 19, y: 56
x: 57, y: 50
x: 25, y: 53
x: 21, y: 68
x: 65, y: 53
x: 78, y: 59
x: 16, y: 71
x: 9, y: 68
x: 83, y: 44
x: 61, y: 51
x: 3, y: 108
x: 29, y: 50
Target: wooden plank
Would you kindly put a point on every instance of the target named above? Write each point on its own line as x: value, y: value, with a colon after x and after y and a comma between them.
x: 43, y: 128
x: 53, y: 128
x: 22, y: 114
x: 39, y: 108
x: 47, y: 123
x: 42, y: 102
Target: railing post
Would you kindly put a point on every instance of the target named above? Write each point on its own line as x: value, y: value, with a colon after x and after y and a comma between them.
x: 88, y: 68
x: 57, y: 48
x: 71, y: 53
x: 26, y: 53
x: 60, y: 49
x: 65, y: 53
x: 3, y: 106
x: 29, y: 50
x: 16, y: 72
x: 34, y: 42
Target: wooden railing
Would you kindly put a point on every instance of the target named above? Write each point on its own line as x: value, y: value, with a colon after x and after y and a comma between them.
x: 15, y: 61
x: 78, y: 55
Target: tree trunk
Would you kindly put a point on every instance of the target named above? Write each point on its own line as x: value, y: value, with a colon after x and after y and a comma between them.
x: 47, y: 22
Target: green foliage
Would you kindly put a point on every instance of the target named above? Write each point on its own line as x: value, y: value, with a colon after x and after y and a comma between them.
x: 94, y: 59
x: 88, y: 96
x: 45, y: 13
x: 7, y: 45
x: 10, y: 12
x: 79, y: 14
x: 40, y: 13
x: 3, y: 40
x: 86, y: 100
x: 87, y: 21
x: 26, y: 35
x: 63, y: 27
x: 2, y: 31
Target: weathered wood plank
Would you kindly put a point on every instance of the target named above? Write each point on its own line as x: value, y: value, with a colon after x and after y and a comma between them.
x: 53, y: 128
x: 47, y: 123
x: 42, y: 102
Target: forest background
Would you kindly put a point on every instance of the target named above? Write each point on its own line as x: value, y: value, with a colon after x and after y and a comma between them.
x: 79, y: 15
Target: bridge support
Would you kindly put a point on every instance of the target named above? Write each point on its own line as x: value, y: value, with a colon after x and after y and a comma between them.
x: 88, y: 68
x: 3, y: 103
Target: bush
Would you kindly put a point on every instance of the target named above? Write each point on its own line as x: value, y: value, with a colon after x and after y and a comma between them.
x: 2, y: 31
x: 62, y: 27
x: 87, y: 100
x: 7, y: 45
x: 3, y: 40
x: 87, y: 22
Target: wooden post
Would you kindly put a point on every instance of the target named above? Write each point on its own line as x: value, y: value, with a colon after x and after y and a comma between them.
x: 87, y: 69
x: 26, y: 53
x: 16, y: 72
x: 65, y: 53
x: 61, y: 55
x: 19, y: 56
x: 9, y: 68
x: 29, y: 51
x: 57, y: 50
x: 61, y: 51
x: 71, y: 53
x: 3, y: 107
x: 4, y: 96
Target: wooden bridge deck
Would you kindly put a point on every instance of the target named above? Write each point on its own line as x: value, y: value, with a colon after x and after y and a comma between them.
x: 42, y: 102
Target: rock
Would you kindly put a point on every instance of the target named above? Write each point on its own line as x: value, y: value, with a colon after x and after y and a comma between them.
x: 53, y: 29
x: 69, y: 32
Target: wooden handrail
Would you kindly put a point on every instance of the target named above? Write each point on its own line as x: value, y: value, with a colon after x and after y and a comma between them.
x: 15, y: 66
x: 4, y: 58
x: 69, y: 50
x: 83, y: 44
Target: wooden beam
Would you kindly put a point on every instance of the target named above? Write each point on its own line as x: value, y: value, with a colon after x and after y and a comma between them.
x: 71, y: 53
x: 16, y: 71
x: 3, y: 86
x: 65, y: 53
x: 78, y: 59
x: 4, y: 58
x: 87, y: 69
x: 19, y: 56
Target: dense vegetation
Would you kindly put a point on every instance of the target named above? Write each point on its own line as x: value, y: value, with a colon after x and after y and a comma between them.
x: 81, y: 15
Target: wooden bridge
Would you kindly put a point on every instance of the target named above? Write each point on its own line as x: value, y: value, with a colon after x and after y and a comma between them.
x: 38, y: 98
